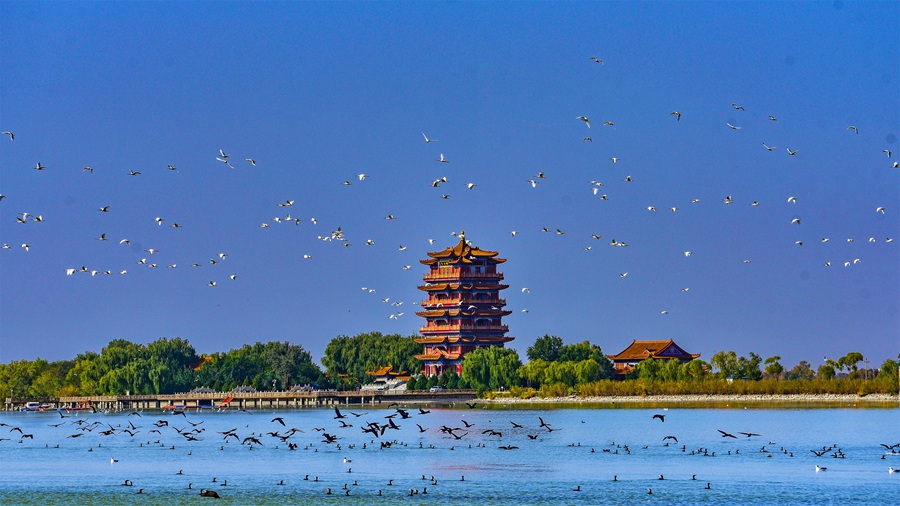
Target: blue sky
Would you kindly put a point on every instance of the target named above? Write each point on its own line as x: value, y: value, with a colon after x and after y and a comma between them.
x: 317, y: 93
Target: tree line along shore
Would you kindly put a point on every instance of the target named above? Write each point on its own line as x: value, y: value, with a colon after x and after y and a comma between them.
x: 553, y: 370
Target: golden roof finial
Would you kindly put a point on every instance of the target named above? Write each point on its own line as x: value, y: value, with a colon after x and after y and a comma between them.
x: 462, y: 235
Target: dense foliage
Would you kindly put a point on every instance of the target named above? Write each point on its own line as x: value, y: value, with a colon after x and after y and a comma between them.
x: 270, y: 366
x: 161, y: 367
x: 552, y: 362
x: 350, y: 358
x: 555, y: 369
x: 490, y: 368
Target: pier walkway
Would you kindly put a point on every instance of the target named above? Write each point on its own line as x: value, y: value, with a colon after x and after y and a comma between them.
x: 243, y: 400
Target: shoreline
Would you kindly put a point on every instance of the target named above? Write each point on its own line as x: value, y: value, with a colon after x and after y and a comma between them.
x: 698, y: 400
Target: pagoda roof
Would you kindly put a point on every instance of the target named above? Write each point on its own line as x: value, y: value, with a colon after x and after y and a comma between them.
x: 640, y: 350
x: 456, y: 312
x: 439, y: 287
x: 438, y: 354
x: 463, y: 339
x: 386, y: 371
x: 463, y: 252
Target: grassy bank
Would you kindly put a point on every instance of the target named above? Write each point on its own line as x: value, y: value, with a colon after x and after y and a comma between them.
x: 767, y: 387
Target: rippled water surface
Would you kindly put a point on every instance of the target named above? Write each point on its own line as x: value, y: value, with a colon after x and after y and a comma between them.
x: 586, y: 449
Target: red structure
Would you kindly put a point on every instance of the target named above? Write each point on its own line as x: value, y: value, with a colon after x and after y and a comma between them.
x: 638, y: 351
x: 463, y: 310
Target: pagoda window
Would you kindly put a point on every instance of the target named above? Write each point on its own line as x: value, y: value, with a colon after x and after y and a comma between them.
x: 477, y: 270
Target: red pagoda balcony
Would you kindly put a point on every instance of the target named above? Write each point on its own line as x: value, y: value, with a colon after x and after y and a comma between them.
x: 461, y: 301
x: 453, y: 273
x: 431, y: 329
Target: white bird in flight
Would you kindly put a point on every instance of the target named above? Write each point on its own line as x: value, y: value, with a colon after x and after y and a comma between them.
x: 586, y: 120
x: 427, y: 140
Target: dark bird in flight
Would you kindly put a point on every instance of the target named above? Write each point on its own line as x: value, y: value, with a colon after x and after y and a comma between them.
x: 725, y: 434
x: 662, y: 418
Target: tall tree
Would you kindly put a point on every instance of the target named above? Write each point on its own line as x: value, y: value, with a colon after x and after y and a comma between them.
x: 545, y: 348
x: 773, y: 367
x: 491, y: 367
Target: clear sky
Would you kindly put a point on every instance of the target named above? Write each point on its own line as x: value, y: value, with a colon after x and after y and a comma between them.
x: 317, y: 93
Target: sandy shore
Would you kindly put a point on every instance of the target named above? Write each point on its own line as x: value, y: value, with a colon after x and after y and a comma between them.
x: 793, y: 399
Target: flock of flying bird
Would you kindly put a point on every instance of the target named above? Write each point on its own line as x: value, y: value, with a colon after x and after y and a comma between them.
x: 595, y: 187
x: 337, y: 440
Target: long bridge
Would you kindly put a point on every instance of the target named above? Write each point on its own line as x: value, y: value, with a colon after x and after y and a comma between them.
x: 243, y: 400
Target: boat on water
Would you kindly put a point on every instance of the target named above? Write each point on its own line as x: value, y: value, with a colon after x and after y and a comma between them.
x: 36, y: 406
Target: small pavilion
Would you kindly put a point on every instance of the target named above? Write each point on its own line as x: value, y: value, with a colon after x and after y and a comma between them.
x: 638, y: 351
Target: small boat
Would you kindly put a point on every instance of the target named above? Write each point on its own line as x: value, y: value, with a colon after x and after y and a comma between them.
x: 35, y: 406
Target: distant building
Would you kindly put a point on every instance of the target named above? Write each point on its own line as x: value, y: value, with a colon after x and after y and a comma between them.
x: 463, y: 310
x: 387, y: 374
x: 638, y: 351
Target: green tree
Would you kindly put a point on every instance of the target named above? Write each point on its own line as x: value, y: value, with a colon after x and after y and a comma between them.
x: 801, y: 371
x: 727, y: 364
x: 647, y: 369
x: 774, y: 367
x: 826, y: 371
x: 575, y: 352
x: 452, y: 380
x: 888, y: 374
x: 289, y: 364
x: 533, y: 372
x: 695, y: 370
x: 368, y: 352
x: 545, y: 348
x: 491, y: 367
x: 851, y: 361
x: 750, y: 367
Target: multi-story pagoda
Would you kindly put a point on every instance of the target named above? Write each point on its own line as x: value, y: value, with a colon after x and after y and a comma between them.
x: 463, y: 310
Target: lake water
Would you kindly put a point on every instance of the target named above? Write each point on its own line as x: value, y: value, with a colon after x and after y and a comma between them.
x: 586, y: 449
